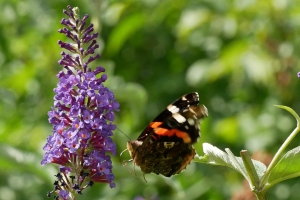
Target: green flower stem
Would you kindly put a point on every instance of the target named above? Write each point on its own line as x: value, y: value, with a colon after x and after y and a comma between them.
x: 281, y: 149
x: 261, y: 196
x: 250, y: 169
x: 254, y: 179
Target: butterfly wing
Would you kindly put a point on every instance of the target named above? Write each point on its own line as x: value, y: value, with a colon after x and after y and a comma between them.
x: 179, y: 122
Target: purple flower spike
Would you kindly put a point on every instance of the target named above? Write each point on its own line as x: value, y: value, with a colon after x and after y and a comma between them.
x: 82, y: 115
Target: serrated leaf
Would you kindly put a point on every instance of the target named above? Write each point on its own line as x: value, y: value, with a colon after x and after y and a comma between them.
x: 288, y: 167
x: 215, y: 156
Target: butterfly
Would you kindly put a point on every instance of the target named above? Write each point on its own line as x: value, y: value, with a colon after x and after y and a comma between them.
x: 166, y: 145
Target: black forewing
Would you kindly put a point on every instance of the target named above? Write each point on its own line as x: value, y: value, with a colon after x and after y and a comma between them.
x: 183, y: 103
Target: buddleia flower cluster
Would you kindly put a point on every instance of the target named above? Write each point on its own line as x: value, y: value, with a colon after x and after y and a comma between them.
x: 82, y: 116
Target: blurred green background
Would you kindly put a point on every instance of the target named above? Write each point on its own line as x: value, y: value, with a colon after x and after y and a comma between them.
x: 241, y: 56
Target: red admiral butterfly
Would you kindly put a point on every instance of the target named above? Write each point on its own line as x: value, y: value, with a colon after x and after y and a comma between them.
x: 165, y: 146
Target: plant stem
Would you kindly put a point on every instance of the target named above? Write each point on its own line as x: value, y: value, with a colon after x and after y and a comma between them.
x: 254, y: 179
x: 278, y: 155
x: 252, y: 174
x: 260, y: 196
x: 282, y: 148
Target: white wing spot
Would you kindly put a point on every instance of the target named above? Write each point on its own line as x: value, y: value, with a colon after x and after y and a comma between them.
x: 179, y: 118
x: 173, y: 109
x: 186, y: 127
x: 191, y: 121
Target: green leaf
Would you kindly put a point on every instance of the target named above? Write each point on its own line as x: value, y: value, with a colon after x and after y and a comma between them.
x: 215, y: 156
x: 288, y: 167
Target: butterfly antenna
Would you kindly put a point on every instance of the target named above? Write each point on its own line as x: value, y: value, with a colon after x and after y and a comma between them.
x: 124, y: 134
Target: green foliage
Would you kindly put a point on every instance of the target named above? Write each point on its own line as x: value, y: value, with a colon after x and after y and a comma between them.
x: 288, y: 167
x: 214, y: 156
x: 259, y: 177
x: 241, y: 61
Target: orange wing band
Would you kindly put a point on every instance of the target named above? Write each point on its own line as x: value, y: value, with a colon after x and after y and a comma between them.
x: 180, y: 134
x: 155, y: 124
